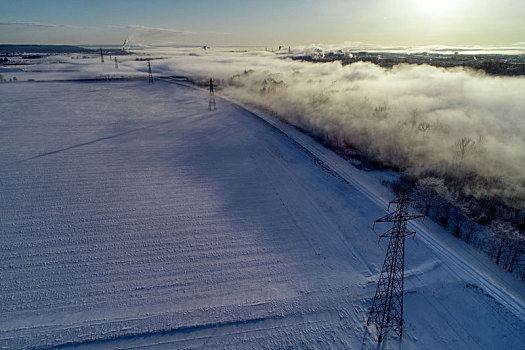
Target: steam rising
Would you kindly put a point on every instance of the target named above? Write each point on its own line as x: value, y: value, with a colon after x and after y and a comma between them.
x: 453, y: 122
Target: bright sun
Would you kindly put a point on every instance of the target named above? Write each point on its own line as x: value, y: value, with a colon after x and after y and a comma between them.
x: 436, y: 7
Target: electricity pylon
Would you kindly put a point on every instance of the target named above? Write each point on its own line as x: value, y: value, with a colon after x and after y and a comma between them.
x: 150, y: 74
x: 387, y: 308
x: 211, y: 104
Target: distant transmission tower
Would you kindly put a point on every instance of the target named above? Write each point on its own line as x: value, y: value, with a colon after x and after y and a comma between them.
x: 387, y: 307
x: 150, y: 74
x: 211, y: 105
x: 101, y: 56
x: 116, y: 63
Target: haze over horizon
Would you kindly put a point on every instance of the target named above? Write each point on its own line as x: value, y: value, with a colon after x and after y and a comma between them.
x: 261, y: 23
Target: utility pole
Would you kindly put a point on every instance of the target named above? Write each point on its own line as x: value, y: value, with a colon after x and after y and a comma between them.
x: 211, y: 104
x: 101, y: 56
x: 116, y: 63
x: 387, y: 308
x: 150, y: 74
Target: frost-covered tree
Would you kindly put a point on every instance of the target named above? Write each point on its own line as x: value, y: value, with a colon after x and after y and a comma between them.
x: 502, y: 234
x: 429, y: 186
x: 515, y: 248
x: 449, y: 199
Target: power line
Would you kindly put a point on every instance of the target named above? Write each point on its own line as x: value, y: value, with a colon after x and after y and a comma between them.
x: 211, y: 104
x: 387, y: 308
x: 150, y: 74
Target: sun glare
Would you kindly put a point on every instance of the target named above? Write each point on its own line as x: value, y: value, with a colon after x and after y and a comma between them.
x: 435, y: 7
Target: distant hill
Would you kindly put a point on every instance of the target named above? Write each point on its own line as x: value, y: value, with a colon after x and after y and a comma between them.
x: 11, y: 49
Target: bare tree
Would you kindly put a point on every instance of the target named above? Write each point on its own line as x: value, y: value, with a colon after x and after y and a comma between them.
x: 381, y: 111
x: 470, y: 230
x: 428, y: 186
x: 464, y: 146
x: 449, y: 198
x: 501, y: 233
x: 515, y: 248
x: 458, y: 216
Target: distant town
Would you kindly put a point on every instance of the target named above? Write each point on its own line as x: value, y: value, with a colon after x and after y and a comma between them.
x: 494, y: 64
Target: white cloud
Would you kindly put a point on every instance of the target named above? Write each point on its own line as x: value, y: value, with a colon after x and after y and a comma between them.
x: 35, y: 24
x: 147, y: 29
x: 153, y: 30
x: 141, y: 35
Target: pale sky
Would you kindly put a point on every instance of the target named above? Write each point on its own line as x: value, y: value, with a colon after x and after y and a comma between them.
x: 264, y: 22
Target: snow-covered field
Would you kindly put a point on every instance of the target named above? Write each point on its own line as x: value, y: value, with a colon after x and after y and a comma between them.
x: 133, y: 217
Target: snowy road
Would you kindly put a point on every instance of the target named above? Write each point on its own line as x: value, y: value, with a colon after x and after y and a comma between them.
x: 131, y: 216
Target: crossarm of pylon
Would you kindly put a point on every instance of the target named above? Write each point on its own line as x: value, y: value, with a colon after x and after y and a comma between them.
x: 393, y: 201
x: 387, y: 218
x: 412, y: 216
x: 399, y: 199
x: 410, y: 233
x: 394, y: 217
x: 388, y: 233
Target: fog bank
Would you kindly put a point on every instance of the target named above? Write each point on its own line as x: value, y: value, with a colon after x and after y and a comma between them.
x: 452, y: 122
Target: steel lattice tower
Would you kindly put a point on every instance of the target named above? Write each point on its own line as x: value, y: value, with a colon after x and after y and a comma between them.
x: 150, y: 74
x: 387, y: 308
x: 211, y: 104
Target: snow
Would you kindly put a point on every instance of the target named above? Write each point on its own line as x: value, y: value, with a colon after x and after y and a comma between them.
x: 131, y: 216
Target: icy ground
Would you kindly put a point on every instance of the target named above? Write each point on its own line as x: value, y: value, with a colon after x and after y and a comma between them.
x: 131, y: 217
